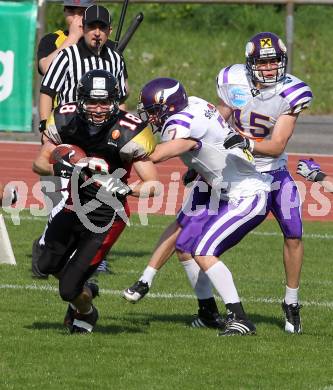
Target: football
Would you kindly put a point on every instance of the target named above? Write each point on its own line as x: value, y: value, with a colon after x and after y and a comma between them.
x: 75, y: 153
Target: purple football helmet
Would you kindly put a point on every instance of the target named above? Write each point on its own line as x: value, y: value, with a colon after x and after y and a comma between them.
x: 161, y: 98
x: 266, y: 46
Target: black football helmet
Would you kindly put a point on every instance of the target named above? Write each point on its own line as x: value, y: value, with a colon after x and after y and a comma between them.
x: 262, y: 47
x: 98, y: 86
x: 160, y: 98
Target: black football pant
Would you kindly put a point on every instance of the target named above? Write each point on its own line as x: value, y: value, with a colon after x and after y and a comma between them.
x: 72, y: 252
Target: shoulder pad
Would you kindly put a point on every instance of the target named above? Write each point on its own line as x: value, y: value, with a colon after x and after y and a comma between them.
x: 296, y: 93
x: 128, y: 126
x: 233, y: 74
x: 60, y: 121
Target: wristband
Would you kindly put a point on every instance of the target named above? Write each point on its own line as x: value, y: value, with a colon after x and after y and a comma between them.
x: 251, y: 145
x: 42, y: 125
x: 320, y: 176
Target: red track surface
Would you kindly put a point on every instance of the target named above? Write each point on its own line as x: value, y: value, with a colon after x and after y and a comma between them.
x: 16, y: 161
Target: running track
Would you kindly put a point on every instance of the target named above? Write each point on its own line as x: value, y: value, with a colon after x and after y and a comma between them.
x: 16, y: 161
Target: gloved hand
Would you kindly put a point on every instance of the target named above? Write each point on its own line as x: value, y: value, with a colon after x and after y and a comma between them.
x: 310, y: 170
x: 189, y: 176
x: 111, y: 185
x: 236, y: 140
x: 63, y: 167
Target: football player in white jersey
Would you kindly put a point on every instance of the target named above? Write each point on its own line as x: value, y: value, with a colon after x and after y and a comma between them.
x: 310, y: 170
x: 237, y: 196
x: 263, y: 102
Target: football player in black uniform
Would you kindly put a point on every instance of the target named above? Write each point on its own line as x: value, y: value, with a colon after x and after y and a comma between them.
x: 96, y: 212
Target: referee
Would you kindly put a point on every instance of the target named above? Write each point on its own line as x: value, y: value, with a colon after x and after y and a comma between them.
x: 73, y: 62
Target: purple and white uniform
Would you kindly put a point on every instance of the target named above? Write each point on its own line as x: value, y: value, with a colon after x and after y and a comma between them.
x: 240, y: 192
x: 255, y: 113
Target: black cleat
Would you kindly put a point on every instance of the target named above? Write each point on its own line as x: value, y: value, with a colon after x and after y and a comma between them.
x: 84, y: 323
x: 237, y: 327
x: 136, y: 292
x: 292, y: 317
x: 208, y: 319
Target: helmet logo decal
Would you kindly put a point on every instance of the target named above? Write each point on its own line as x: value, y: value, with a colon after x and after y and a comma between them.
x: 265, y: 43
x: 98, y: 83
x: 161, y: 96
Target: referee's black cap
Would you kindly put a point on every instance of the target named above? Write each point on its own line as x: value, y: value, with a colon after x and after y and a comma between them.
x: 96, y: 13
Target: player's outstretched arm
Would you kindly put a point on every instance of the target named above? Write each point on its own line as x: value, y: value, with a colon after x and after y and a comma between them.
x: 147, y: 172
x: 282, y: 131
x: 174, y: 148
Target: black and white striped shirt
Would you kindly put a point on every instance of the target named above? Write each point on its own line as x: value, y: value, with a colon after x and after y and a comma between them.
x: 72, y: 63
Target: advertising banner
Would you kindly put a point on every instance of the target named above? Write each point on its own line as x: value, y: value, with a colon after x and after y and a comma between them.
x: 17, y: 40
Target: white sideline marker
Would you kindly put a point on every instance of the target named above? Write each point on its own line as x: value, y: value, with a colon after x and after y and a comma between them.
x: 6, y: 251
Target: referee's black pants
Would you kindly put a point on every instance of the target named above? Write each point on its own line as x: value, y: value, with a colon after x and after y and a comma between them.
x: 73, y: 252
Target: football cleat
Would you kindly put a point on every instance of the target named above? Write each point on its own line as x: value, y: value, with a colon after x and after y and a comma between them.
x: 292, y: 317
x: 84, y: 323
x: 236, y: 327
x: 208, y: 319
x: 136, y: 292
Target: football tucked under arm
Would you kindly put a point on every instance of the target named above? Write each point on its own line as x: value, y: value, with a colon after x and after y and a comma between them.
x: 64, y: 158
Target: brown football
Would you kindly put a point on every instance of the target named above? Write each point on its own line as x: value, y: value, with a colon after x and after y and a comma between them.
x: 75, y: 153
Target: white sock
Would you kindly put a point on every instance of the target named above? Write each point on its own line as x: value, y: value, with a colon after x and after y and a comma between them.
x: 148, y: 275
x: 198, y: 279
x: 222, y: 280
x: 291, y: 295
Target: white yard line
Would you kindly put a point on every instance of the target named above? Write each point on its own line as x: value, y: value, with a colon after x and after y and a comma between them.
x: 157, y: 226
x: 107, y: 291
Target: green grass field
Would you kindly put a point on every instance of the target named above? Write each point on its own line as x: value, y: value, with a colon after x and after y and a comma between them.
x: 151, y: 345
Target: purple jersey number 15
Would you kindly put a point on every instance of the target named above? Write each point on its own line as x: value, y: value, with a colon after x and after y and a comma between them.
x: 257, y: 129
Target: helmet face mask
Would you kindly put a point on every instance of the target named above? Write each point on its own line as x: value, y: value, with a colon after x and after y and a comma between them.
x: 98, y: 97
x: 159, y: 99
x: 266, y: 58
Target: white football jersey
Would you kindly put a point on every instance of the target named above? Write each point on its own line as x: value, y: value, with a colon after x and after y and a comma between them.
x: 256, y: 111
x: 231, y: 170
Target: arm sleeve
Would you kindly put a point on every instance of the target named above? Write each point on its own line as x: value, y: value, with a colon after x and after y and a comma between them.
x: 55, y: 76
x: 121, y: 80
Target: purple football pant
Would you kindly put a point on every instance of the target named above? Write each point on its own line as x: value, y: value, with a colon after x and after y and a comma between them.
x: 286, y: 203
x: 197, y: 199
x: 207, y: 235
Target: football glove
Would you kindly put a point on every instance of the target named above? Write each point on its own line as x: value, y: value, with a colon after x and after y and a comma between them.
x: 310, y: 170
x: 63, y: 167
x: 189, y: 176
x: 111, y: 185
x: 236, y: 140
